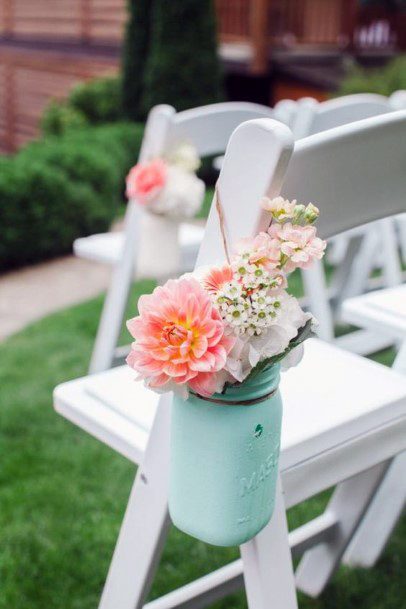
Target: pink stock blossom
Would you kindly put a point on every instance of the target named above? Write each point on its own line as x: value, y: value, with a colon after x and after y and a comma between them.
x: 279, y: 207
x: 146, y: 180
x: 298, y: 243
x: 261, y: 249
x: 179, y: 338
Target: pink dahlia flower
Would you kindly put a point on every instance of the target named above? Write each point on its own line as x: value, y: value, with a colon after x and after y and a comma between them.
x: 298, y: 243
x: 216, y: 278
x: 146, y: 180
x: 179, y: 338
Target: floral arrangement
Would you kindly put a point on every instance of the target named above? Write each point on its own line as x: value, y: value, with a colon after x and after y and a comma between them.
x: 169, y: 185
x: 220, y: 325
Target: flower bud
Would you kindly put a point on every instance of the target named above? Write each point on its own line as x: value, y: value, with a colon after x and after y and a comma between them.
x: 311, y: 214
x: 298, y: 214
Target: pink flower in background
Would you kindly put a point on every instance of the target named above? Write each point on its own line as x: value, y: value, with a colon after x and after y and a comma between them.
x: 179, y: 338
x: 260, y: 249
x: 298, y: 243
x: 146, y: 180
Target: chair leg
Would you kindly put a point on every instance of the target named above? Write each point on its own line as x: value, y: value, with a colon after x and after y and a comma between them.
x: 348, y: 504
x: 116, y: 299
x: 384, y: 511
x: 391, y: 262
x: 400, y: 361
x: 314, y: 283
x: 145, y: 525
x: 401, y: 223
x: 267, y: 561
x: 386, y: 507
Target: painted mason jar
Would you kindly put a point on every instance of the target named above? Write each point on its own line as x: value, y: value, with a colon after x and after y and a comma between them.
x: 224, y: 461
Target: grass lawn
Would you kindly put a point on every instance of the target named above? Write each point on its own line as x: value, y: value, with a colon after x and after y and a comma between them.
x: 62, y: 493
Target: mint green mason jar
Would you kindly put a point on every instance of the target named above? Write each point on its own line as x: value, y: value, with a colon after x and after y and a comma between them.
x: 224, y: 461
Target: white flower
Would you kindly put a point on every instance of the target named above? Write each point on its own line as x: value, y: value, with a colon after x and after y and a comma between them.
x: 272, y: 340
x: 185, y: 156
x: 182, y: 195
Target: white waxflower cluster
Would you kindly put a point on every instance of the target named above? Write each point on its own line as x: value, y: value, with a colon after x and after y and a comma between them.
x: 246, y: 302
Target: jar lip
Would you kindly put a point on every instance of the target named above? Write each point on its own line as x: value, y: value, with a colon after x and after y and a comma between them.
x: 249, y: 402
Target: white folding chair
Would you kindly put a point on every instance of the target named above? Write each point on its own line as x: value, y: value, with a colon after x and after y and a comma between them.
x: 344, y: 415
x: 382, y: 311
x: 208, y: 128
x: 356, y: 252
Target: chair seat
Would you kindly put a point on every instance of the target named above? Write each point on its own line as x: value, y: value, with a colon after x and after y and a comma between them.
x: 331, y: 398
x: 381, y: 310
x: 107, y: 247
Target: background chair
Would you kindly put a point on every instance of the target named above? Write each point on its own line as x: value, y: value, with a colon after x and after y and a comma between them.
x: 356, y: 253
x: 383, y: 311
x: 208, y: 128
x: 344, y: 415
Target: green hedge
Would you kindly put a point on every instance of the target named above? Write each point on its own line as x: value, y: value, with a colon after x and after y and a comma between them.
x: 95, y: 102
x: 182, y: 68
x: 99, y: 100
x: 58, y: 189
x: 383, y: 80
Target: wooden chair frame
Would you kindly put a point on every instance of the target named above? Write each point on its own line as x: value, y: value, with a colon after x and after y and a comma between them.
x: 260, y: 160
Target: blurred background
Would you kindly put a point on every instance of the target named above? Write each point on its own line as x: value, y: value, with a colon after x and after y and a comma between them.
x: 268, y: 50
x: 78, y: 78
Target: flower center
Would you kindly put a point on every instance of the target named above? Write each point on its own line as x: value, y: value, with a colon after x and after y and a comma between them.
x: 175, y: 335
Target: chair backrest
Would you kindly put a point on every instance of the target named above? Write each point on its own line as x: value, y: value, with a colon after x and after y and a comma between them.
x: 397, y: 100
x: 362, y: 162
x: 208, y: 128
x: 314, y: 117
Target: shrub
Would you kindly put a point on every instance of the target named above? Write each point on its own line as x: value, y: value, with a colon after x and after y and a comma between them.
x: 383, y: 81
x: 85, y: 165
x: 135, y: 51
x: 99, y: 100
x: 182, y: 67
x: 42, y: 212
x: 58, y: 189
x: 58, y: 118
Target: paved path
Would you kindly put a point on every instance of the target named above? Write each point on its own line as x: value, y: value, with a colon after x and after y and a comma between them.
x: 31, y: 293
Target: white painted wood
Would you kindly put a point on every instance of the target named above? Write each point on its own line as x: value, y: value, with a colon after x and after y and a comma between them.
x: 311, y: 118
x: 398, y: 100
x: 145, y: 523
x: 228, y: 579
x: 338, y: 112
x: 240, y: 191
x: 123, y: 588
x: 381, y: 310
x: 346, y: 433
x: 107, y: 248
x: 346, y: 166
x: 315, y: 288
x: 383, y: 513
x: 117, y: 295
x: 348, y: 504
x: 267, y: 563
x: 116, y: 298
x: 386, y: 311
x: 315, y: 418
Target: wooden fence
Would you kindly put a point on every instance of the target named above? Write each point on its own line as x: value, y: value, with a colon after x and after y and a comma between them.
x: 289, y: 24
x: 82, y: 21
x: 29, y: 79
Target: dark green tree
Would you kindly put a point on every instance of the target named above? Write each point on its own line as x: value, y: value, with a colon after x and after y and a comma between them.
x: 182, y: 67
x: 135, y: 52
